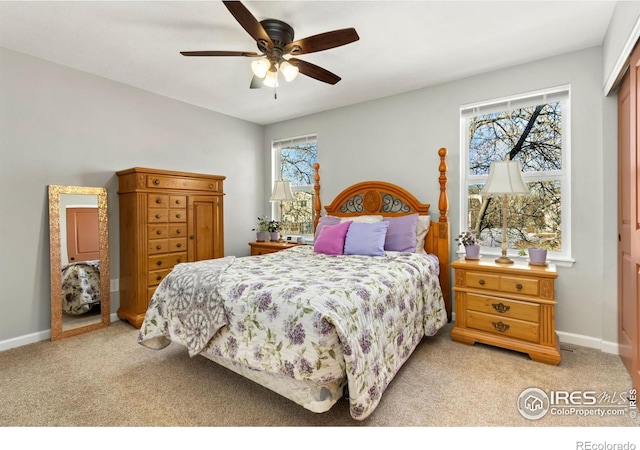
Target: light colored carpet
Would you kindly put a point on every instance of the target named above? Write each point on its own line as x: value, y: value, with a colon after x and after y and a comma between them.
x: 105, y: 379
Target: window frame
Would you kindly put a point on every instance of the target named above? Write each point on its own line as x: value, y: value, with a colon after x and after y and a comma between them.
x: 276, y: 146
x: 549, y: 95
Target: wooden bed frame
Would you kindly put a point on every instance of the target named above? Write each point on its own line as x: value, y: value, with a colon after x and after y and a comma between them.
x: 390, y: 200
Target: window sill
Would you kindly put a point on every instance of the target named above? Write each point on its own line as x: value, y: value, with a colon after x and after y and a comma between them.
x: 564, y: 262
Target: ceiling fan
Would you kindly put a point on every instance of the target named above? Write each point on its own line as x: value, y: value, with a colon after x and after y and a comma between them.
x: 275, y: 42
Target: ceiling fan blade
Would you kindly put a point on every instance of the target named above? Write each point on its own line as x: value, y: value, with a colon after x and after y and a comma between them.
x: 323, y: 41
x: 248, y: 22
x: 219, y: 53
x: 256, y: 83
x: 313, y: 71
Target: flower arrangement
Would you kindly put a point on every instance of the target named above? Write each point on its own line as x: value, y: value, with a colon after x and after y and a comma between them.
x: 467, y: 238
x: 263, y: 224
x: 274, y: 226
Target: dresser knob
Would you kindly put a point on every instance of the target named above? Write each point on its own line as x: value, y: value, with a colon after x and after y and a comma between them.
x: 178, y: 202
x: 192, y: 237
x: 159, y: 277
x: 158, y: 201
x: 179, y: 245
x: 501, y: 327
x: 158, y: 247
x: 518, y: 286
x: 178, y: 231
x: 158, y: 216
x: 156, y: 182
x: 159, y: 263
x: 179, y: 260
x: 178, y: 215
x: 159, y: 232
x: 481, y: 282
x: 500, y: 307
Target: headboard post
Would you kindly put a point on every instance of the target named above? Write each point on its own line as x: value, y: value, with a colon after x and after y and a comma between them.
x: 443, y: 238
x: 317, y: 206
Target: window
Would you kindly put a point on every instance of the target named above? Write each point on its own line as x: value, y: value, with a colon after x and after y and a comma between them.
x: 293, y: 161
x: 533, y: 129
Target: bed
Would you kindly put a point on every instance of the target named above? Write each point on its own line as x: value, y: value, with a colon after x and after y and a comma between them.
x: 311, y: 324
x: 80, y: 287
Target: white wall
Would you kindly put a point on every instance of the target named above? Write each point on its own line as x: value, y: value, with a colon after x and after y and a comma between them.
x: 396, y: 139
x: 61, y: 126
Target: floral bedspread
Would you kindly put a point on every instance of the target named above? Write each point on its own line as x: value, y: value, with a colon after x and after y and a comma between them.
x: 303, y: 315
x: 80, y: 286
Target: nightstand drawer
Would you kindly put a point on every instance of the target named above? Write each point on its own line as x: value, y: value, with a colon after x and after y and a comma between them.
x: 504, y: 308
x: 482, y: 280
x: 520, y: 285
x: 503, y: 326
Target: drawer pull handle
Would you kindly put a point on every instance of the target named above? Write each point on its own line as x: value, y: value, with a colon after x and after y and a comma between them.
x: 179, y: 245
x: 158, y: 201
x: 159, y: 263
x: 158, y: 216
x: 159, y: 232
x: 179, y: 260
x: 501, y: 327
x: 500, y: 307
x: 518, y: 286
x: 192, y: 237
x: 158, y: 247
x: 156, y: 181
x: 178, y: 231
x: 210, y: 186
x: 178, y: 202
x: 159, y: 277
x: 481, y: 282
x: 178, y: 215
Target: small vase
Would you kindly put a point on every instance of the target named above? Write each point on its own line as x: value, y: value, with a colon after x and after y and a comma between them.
x: 274, y: 236
x: 537, y: 256
x: 260, y: 236
x: 472, y: 251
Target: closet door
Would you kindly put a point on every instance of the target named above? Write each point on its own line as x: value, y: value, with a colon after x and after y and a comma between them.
x: 629, y: 219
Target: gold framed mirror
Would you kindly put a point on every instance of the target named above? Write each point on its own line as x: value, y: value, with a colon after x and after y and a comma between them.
x: 79, y: 249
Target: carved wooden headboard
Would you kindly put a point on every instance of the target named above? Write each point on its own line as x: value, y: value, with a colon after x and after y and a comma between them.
x: 390, y: 200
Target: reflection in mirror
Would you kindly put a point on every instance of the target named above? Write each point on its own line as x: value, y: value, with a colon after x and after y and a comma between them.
x: 79, y: 249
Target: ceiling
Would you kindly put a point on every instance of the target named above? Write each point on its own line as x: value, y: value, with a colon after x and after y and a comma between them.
x: 403, y: 46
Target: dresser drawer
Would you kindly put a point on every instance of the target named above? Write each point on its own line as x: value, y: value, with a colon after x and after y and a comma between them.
x: 157, y: 215
x: 520, y: 285
x: 156, y: 276
x: 166, y: 261
x: 177, y: 244
x: 177, y: 201
x: 177, y: 215
x: 503, y: 326
x: 156, y: 246
x: 158, y: 201
x: 504, y: 308
x: 177, y: 230
x: 157, y: 231
x: 482, y: 280
x: 167, y: 182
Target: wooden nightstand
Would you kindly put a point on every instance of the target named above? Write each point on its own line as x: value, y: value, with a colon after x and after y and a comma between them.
x: 264, y: 247
x: 510, y: 306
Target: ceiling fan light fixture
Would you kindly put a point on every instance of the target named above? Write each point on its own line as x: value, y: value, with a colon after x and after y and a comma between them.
x: 289, y: 71
x: 260, y: 67
x: 271, y: 79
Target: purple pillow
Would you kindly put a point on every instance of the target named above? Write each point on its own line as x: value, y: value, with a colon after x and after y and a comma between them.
x: 325, y: 220
x: 366, y: 239
x: 330, y: 240
x: 401, y: 236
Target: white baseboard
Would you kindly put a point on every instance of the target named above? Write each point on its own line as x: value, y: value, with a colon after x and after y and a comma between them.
x: 34, y: 337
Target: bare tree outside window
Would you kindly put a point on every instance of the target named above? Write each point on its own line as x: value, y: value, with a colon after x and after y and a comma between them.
x: 295, y: 160
x: 532, y: 135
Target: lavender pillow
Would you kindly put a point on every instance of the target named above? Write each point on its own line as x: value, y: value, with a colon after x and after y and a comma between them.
x: 330, y: 240
x: 325, y: 220
x: 401, y: 236
x: 366, y: 239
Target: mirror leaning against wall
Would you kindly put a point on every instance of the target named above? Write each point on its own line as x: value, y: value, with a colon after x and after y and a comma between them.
x: 79, y: 254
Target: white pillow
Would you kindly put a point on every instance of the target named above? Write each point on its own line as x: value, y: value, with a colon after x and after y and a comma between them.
x: 422, y: 228
x: 362, y: 219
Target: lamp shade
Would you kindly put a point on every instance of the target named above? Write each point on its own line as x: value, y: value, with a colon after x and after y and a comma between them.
x: 505, y: 177
x: 289, y: 71
x: 260, y: 67
x: 281, y: 191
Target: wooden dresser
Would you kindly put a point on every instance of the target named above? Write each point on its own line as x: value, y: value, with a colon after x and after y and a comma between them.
x: 510, y: 306
x: 264, y: 247
x: 166, y: 218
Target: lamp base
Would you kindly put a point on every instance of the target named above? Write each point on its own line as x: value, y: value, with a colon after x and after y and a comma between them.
x: 504, y: 260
